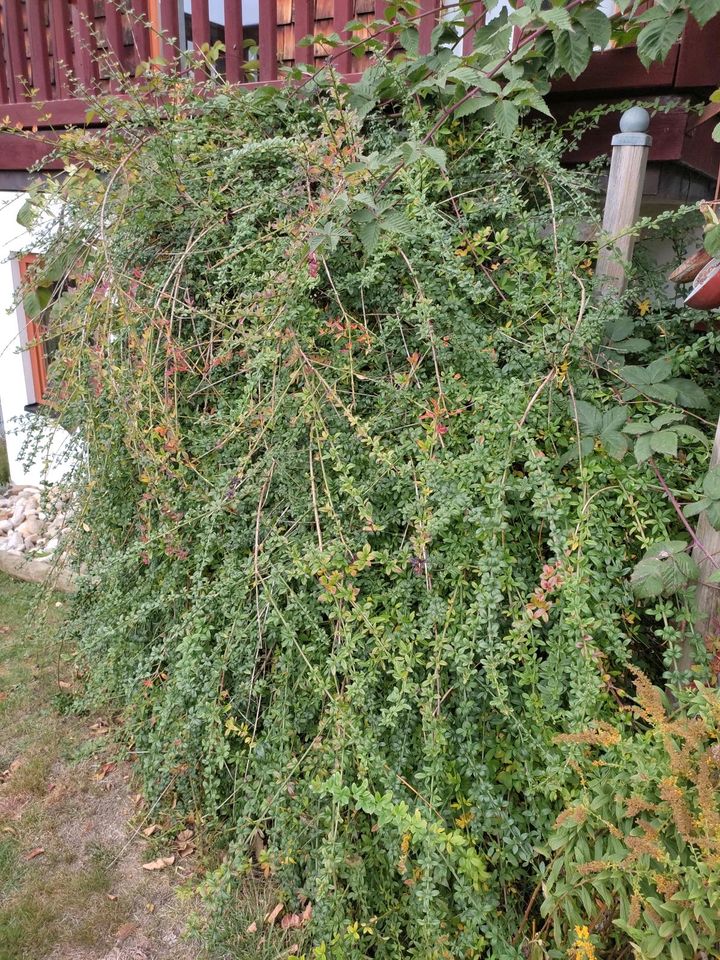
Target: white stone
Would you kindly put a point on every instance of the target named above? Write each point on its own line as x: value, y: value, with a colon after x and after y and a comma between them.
x: 15, y: 541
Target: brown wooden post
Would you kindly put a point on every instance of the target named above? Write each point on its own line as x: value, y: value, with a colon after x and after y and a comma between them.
x: 624, y: 193
x: 707, y: 598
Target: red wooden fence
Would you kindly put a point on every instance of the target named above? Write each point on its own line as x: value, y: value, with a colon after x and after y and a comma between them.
x: 53, y: 50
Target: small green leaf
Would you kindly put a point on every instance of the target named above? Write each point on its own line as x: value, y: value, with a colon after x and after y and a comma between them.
x: 647, y: 580
x: 693, y: 509
x: 614, y: 443
x: 713, y: 514
x: 572, y: 51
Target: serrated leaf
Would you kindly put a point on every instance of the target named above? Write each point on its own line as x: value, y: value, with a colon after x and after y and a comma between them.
x: 655, y: 40
x: 557, y: 17
x: 637, y: 376
x: 589, y: 418
x: 711, y: 483
x: 438, y: 156
x: 689, y: 394
x: 704, y: 10
x: 620, y: 329
x: 713, y: 514
x: 677, y: 572
x: 572, y: 51
x: 716, y: 133
x: 394, y: 221
x: 665, y: 418
x: 693, y: 509
x: 597, y: 25
x: 506, y: 117
x: 659, y: 370
x: 661, y: 391
x: 369, y: 234
x: 473, y: 104
x: 664, y: 441
x: 646, y: 579
x: 637, y: 428
x: 643, y: 450
x: 614, y: 443
x: 614, y: 419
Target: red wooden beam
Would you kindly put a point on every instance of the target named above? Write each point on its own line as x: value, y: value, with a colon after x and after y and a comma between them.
x: 267, y: 40
x: 114, y: 31
x: 428, y: 18
x: 61, y: 45
x: 200, y: 33
x: 39, y: 53
x: 234, y: 48
x: 170, y: 27
x: 4, y: 93
x: 304, y: 25
x: 621, y: 70
x: 17, y: 58
x: 474, y: 19
x: 342, y: 14
x: 699, y: 59
x: 140, y: 32
x: 86, y: 68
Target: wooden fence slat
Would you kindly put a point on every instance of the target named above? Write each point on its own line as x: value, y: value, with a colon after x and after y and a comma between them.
x: 267, y: 40
x: 4, y: 92
x: 200, y: 32
x: 113, y: 30
x: 141, y: 38
x: 474, y: 19
x: 234, y: 49
x: 170, y: 27
x: 304, y: 25
x: 380, y: 7
x: 61, y: 46
x: 342, y: 15
x: 85, y: 64
x: 428, y: 18
x: 39, y: 53
x: 17, y: 59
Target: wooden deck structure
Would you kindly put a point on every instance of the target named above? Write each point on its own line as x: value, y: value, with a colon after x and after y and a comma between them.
x: 53, y: 50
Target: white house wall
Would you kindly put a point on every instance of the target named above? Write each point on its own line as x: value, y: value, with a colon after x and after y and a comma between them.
x: 16, y: 384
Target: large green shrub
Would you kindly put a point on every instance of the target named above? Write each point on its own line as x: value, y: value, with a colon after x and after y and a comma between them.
x: 357, y: 505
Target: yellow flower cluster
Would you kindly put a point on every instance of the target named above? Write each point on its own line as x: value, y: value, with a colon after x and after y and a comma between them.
x: 582, y: 948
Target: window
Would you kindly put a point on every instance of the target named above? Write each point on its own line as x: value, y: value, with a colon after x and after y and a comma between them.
x: 40, y: 347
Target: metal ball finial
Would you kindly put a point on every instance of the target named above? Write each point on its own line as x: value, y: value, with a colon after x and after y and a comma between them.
x: 635, y: 120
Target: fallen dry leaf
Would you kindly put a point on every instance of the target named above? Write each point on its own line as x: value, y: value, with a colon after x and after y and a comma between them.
x: 64, y: 685
x: 104, y: 771
x: 153, y: 828
x: 125, y: 931
x: 252, y: 928
x: 274, y: 914
x: 112, y: 896
x: 160, y: 863
x: 35, y: 852
x: 150, y: 907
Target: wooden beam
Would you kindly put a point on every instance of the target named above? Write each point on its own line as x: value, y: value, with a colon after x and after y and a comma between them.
x: 234, y: 48
x: 86, y: 68
x: 624, y: 193
x: 39, y: 53
x: 17, y: 59
x: 62, y: 46
x: 267, y: 40
x: 140, y: 32
x: 304, y: 25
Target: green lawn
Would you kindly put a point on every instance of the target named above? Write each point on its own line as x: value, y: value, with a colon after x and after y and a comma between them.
x: 71, y: 846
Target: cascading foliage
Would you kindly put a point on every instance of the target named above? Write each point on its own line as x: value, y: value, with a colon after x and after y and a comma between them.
x: 352, y: 564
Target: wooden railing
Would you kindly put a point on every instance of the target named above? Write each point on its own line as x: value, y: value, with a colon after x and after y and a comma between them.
x: 50, y: 47
x: 52, y: 51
